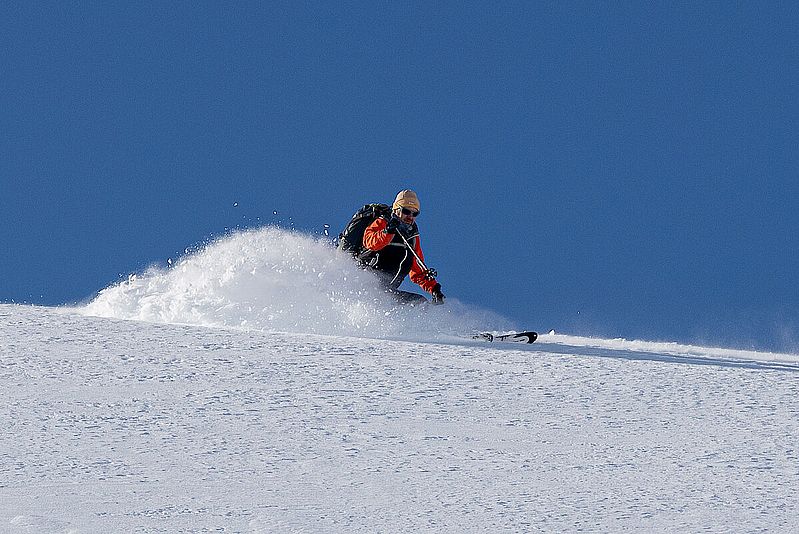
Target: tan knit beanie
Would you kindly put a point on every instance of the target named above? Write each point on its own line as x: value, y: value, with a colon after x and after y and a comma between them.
x: 406, y: 199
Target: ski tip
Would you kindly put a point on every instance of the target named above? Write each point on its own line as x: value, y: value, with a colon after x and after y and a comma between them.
x: 531, y: 336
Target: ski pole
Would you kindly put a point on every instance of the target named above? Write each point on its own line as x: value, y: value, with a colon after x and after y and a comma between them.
x: 430, y: 273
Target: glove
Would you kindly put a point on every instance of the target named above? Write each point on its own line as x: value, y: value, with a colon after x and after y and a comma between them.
x: 438, y: 296
x: 396, y: 226
x: 392, y: 227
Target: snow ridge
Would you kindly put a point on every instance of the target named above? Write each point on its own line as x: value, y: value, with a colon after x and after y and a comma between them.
x: 276, y: 280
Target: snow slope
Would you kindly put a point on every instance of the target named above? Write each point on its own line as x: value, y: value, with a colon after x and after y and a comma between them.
x: 228, y: 411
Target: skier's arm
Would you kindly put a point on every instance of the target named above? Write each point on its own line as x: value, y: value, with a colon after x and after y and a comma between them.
x: 374, y: 237
x: 418, y: 276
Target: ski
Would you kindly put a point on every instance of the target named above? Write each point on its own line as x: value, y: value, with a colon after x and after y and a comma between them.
x: 515, y: 337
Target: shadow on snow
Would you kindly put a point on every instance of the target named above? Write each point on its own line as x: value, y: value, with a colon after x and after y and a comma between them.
x: 641, y: 355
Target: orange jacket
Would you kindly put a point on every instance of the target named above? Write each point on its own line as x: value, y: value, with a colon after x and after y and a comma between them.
x: 374, y: 238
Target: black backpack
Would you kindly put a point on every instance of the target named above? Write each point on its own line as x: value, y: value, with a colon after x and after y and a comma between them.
x: 351, y: 238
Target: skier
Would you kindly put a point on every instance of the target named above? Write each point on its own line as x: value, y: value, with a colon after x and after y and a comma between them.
x: 390, y: 247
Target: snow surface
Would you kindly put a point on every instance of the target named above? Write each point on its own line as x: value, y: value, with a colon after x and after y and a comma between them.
x: 258, y: 386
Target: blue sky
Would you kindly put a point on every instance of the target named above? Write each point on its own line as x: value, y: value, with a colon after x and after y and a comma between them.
x: 624, y: 170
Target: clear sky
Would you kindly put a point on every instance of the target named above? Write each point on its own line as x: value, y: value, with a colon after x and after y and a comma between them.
x: 624, y: 169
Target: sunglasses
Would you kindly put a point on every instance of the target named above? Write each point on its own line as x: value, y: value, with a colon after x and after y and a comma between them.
x: 406, y: 211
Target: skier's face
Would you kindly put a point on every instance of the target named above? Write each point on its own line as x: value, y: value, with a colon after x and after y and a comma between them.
x: 406, y: 215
